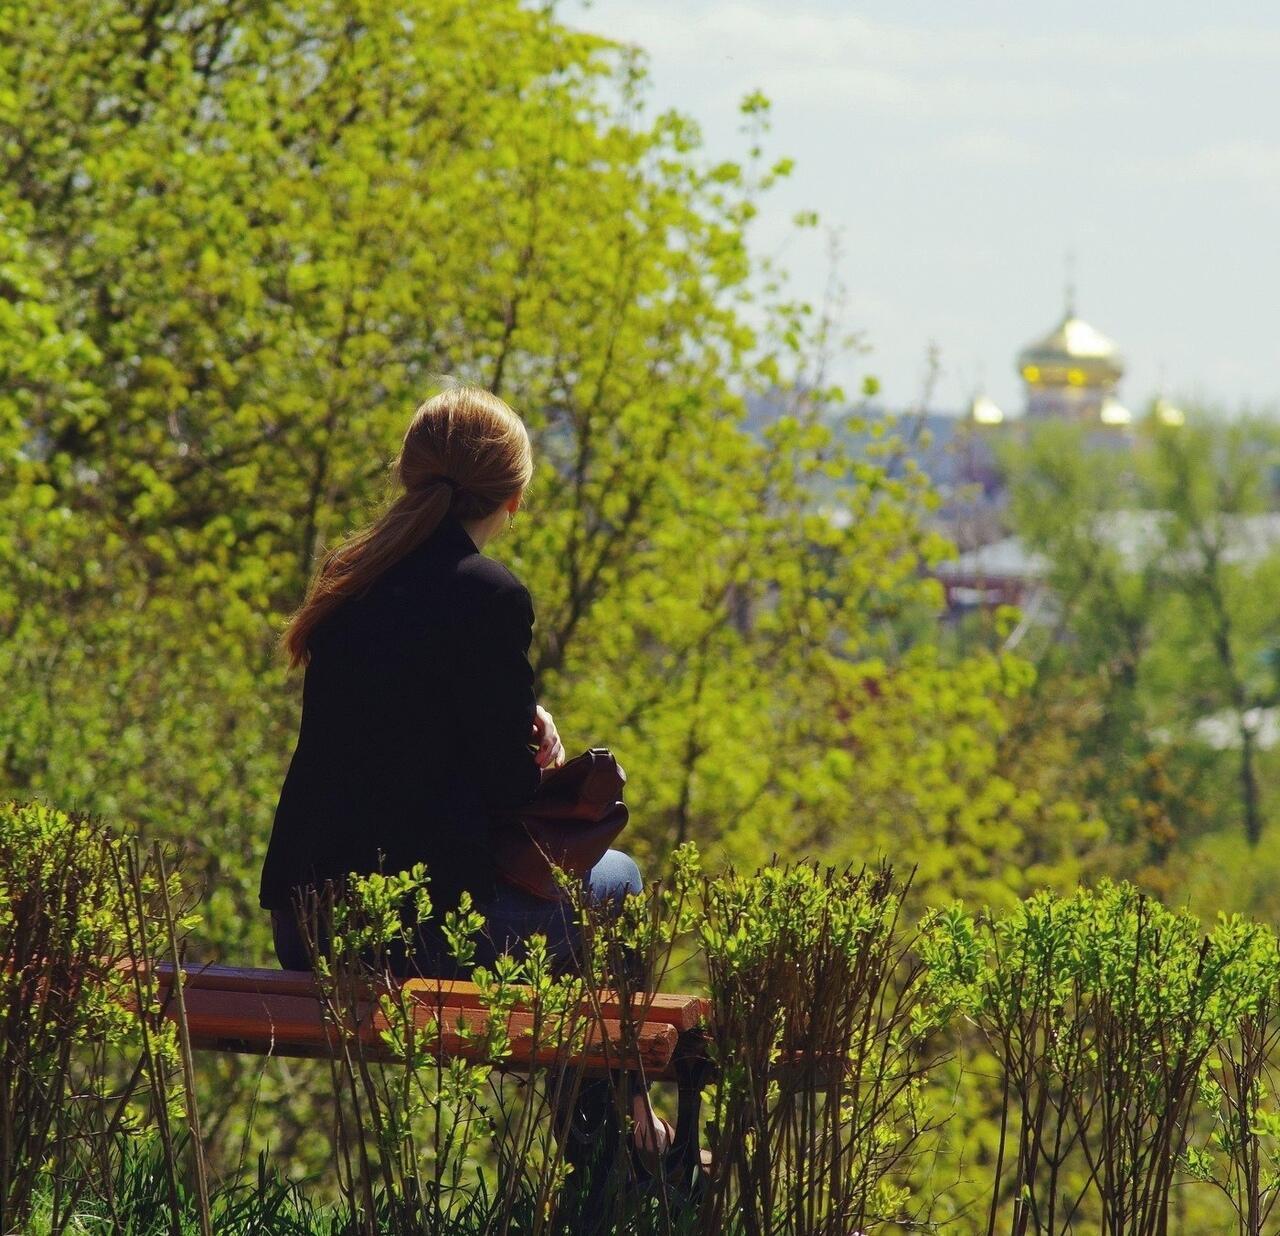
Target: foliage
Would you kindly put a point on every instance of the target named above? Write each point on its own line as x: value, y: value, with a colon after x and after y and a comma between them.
x: 77, y: 1065
x: 1242, y: 1151
x: 1130, y: 1051
x: 1101, y: 1010
x: 240, y: 242
x: 411, y: 1135
x: 816, y: 1020
x: 1159, y: 658
x: 817, y: 1030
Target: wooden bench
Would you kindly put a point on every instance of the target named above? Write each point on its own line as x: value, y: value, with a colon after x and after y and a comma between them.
x: 280, y: 1013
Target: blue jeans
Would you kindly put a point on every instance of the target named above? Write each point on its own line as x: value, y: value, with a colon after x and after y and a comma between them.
x: 514, y: 915
x: 510, y: 919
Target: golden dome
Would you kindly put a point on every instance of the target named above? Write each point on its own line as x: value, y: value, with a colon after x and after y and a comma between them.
x: 1072, y: 354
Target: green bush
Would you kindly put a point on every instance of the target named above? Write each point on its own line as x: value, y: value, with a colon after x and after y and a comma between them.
x: 77, y: 1064
x: 817, y: 1028
x: 1123, y: 1053
x: 1102, y: 1010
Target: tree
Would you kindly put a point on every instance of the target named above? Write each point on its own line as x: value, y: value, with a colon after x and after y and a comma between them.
x: 241, y: 242
x: 1161, y: 560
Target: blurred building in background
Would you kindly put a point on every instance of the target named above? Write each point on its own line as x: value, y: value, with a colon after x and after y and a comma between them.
x: 1071, y: 374
x: 1006, y: 572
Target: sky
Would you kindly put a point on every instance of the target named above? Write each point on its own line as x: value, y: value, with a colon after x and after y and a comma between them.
x: 961, y: 149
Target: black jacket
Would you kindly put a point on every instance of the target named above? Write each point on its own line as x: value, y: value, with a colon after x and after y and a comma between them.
x: 417, y: 711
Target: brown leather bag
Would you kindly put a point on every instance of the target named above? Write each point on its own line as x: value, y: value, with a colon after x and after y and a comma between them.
x: 570, y: 822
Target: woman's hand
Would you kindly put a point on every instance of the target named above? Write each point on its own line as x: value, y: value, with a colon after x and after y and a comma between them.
x: 550, y: 749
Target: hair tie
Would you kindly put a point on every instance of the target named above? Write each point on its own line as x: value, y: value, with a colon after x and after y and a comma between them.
x: 446, y: 480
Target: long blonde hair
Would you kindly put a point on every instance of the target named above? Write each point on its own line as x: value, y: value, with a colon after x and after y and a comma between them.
x: 464, y: 450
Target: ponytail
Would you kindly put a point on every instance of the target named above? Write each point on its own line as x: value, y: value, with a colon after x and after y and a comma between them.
x: 466, y: 451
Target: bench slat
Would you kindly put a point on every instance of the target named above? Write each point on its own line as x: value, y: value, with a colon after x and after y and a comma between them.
x: 678, y: 1011
x: 286, y: 1024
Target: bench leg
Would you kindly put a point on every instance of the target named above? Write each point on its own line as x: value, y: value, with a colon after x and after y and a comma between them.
x: 693, y: 1068
x: 591, y: 1147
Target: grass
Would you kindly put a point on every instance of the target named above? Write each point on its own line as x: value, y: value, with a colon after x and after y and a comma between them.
x: 138, y: 1204
x: 266, y: 1205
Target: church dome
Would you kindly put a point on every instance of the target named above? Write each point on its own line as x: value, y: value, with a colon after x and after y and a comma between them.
x: 1113, y: 412
x: 1072, y: 354
x: 983, y: 410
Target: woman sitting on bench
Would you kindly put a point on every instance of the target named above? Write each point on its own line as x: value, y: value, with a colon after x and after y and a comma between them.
x: 418, y: 707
